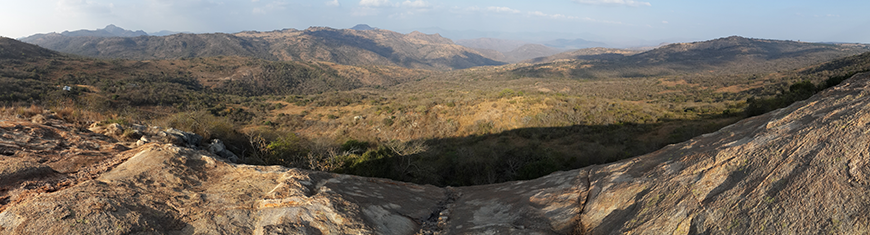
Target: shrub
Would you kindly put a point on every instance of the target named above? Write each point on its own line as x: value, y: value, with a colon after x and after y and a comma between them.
x: 387, y: 121
x: 202, y: 123
x: 131, y: 134
x: 354, y: 146
x: 287, y: 150
x: 372, y: 163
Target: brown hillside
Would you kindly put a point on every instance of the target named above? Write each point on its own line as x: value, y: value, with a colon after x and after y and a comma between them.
x: 342, y: 46
x: 14, y: 49
x: 371, y: 47
x: 732, y: 55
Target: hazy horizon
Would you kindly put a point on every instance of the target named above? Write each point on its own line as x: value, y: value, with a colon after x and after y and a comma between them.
x: 597, y: 20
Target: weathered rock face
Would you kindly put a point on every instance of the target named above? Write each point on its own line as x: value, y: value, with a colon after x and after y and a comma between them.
x: 804, y: 169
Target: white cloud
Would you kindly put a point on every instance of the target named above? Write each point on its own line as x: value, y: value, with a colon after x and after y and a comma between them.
x: 83, y: 8
x: 630, y: 3
x: 415, y: 4
x: 375, y: 3
x: 602, y: 21
x: 552, y: 16
x: 502, y: 9
x: 333, y: 3
x: 365, y: 11
x: 664, y: 22
x: 273, y: 6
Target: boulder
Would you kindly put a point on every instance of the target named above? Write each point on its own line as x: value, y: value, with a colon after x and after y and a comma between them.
x: 114, y: 130
x: 217, y: 147
x: 39, y: 119
x: 181, y: 138
x: 142, y: 141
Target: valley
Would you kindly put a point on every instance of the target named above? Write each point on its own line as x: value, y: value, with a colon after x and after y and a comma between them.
x: 434, y: 117
x: 384, y: 104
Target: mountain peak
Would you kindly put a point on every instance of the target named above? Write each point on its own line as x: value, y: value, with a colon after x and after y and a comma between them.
x: 116, y: 30
x: 363, y: 27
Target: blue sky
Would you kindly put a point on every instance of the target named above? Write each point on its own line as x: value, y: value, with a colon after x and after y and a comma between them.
x: 607, y: 20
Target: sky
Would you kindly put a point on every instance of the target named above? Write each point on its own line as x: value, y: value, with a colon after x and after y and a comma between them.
x: 600, y: 20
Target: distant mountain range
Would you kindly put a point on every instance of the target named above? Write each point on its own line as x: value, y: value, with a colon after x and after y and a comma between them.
x: 116, y: 42
x: 32, y: 70
x: 596, y: 53
x: 361, y: 46
x: 734, y: 54
x: 502, y: 45
x: 573, y: 44
x: 515, y: 50
x: 109, y: 31
x: 365, y: 45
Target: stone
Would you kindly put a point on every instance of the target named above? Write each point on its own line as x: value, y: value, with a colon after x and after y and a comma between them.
x: 183, y: 138
x: 217, y: 147
x: 39, y: 119
x: 172, y: 138
x: 112, y: 129
x: 142, y: 141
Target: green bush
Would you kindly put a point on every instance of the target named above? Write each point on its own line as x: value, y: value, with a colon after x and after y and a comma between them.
x: 354, y: 146
x: 287, y: 150
x: 537, y: 169
x: 202, y: 123
x: 387, y: 121
x: 372, y: 163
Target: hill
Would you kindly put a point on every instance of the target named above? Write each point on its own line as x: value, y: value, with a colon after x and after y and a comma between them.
x: 17, y: 50
x: 525, y: 52
x: 109, y: 31
x: 343, y: 46
x: 152, y: 47
x: 529, y: 51
x: 35, y: 74
x: 504, y: 45
x: 510, y: 51
x: 731, y: 55
x: 496, y: 44
x: 573, y: 44
x: 362, y: 27
x: 370, y: 47
x: 597, y: 53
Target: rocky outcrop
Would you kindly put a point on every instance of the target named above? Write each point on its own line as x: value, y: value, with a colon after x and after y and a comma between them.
x: 803, y: 169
